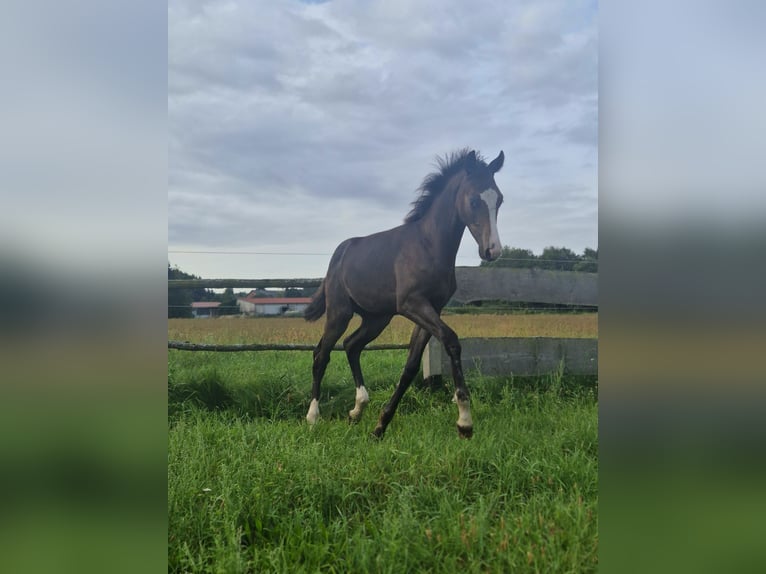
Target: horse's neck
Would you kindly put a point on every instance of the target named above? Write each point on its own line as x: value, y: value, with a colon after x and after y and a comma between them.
x: 442, y: 226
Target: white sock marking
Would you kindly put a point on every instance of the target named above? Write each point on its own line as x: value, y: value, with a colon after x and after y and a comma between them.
x: 313, y: 414
x: 464, y: 413
x: 362, y: 398
x: 489, y: 196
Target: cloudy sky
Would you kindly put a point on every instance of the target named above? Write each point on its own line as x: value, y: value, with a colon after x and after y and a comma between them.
x: 294, y: 125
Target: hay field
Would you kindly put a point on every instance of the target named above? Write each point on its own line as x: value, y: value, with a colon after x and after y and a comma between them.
x: 241, y: 330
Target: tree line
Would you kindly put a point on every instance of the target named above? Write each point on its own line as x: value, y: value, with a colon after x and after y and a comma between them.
x: 180, y: 300
x: 556, y: 258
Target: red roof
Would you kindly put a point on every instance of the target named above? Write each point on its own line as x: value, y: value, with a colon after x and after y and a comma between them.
x: 205, y: 304
x: 276, y: 300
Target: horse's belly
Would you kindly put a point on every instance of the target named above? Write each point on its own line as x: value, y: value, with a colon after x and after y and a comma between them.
x: 373, y: 297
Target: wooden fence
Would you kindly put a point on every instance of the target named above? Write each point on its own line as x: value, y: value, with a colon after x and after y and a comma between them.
x: 492, y: 356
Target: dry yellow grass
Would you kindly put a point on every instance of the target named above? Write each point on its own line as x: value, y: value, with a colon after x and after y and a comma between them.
x: 234, y: 330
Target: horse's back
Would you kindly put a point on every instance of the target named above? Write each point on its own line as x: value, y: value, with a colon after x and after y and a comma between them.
x: 365, y: 269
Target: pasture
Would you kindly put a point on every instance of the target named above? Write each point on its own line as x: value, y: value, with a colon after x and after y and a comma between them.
x: 251, y: 488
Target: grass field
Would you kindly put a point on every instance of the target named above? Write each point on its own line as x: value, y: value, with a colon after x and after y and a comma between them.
x: 251, y: 488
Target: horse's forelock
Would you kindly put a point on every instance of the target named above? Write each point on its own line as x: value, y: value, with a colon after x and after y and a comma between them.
x: 435, y: 182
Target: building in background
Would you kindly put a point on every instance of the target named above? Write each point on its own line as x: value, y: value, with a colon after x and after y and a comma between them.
x: 273, y: 306
x: 205, y: 309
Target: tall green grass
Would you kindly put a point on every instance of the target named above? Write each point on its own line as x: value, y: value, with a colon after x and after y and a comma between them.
x: 251, y: 488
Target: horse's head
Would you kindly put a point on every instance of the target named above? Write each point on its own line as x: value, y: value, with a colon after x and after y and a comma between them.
x: 478, y: 200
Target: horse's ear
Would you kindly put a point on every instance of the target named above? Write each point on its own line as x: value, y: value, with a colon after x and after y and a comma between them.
x: 497, y: 163
x: 470, y: 161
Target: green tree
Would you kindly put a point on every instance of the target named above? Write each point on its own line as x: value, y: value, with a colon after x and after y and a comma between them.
x: 514, y: 257
x: 228, y: 303
x: 588, y: 261
x: 558, y: 258
x: 180, y: 300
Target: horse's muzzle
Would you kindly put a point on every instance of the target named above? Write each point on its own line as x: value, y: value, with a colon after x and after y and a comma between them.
x: 491, y: 253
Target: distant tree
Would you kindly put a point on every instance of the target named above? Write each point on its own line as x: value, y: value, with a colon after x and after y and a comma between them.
x: 513, y: 257
x: 308, y: 291
x: 558, y: 258
x: 199, y: 293
x: 293, y: 292
x: 228, y: 303
x: 180, y: 300
x: 588, y: 261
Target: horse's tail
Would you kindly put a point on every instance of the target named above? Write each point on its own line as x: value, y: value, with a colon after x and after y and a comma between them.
x: 317, y: 306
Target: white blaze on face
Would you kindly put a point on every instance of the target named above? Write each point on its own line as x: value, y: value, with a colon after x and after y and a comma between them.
x: 313, y: 414
x: 489, y: 196
x: 362, y: 398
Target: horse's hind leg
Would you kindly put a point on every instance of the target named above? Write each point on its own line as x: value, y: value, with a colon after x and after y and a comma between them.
x: 371, y: 327
x: 338, y: 317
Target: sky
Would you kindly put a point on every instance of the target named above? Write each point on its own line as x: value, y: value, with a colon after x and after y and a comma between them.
x: 293, y: 126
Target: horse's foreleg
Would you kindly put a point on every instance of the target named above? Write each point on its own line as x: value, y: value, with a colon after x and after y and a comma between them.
x: 428, y: 318
x: 462, y: 397
x: 418, y: 342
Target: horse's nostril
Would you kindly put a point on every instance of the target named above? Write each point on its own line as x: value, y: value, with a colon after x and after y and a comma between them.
x: 488, y: 254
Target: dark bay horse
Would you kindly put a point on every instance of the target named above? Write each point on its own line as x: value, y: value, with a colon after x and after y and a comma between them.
x: 409, y: 270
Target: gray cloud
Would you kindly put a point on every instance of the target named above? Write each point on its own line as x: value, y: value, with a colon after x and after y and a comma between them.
x: 296, y: 124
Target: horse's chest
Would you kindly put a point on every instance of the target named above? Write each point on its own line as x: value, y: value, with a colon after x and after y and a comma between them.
x: 443, y: 286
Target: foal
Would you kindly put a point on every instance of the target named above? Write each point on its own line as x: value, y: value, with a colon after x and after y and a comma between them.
x: 409, y: 270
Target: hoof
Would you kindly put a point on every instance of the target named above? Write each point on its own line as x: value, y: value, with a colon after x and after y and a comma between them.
x: 464, y: 432
x: 377, y: 434
x: 352, y: 420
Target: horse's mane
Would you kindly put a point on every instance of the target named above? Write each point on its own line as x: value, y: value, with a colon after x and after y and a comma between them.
x: 434, y: 183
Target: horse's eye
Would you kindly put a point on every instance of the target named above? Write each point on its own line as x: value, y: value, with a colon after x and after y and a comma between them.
x: 475, y: 203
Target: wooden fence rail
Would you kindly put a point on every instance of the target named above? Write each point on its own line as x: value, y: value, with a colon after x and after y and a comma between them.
x: 491, y: 356
x: 187, y: 346
x: 473, y: 284
x: 242, y: 283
